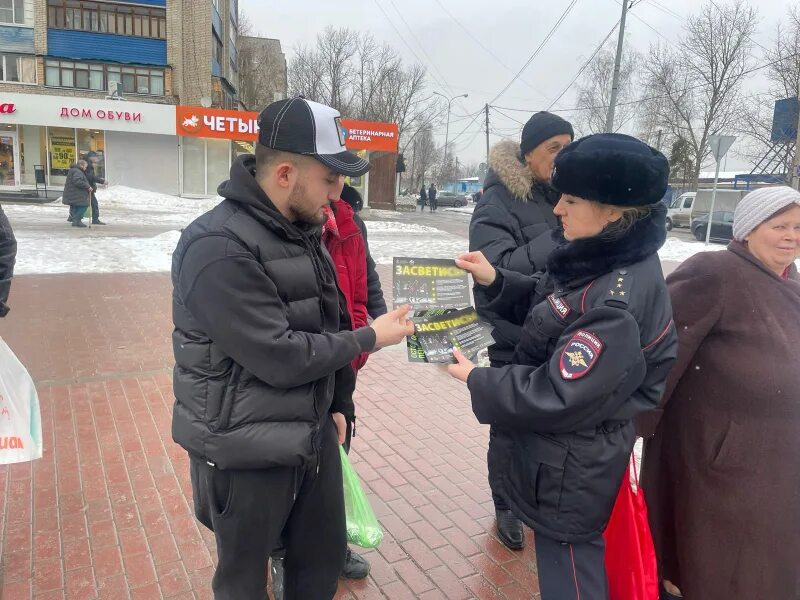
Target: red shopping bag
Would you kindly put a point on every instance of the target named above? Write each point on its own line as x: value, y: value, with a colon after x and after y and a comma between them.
x: 630, y: 554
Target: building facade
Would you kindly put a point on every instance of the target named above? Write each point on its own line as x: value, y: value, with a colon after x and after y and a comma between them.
x: 103, y: 79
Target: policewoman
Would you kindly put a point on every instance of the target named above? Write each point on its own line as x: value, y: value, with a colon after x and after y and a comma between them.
x: 596, y: 346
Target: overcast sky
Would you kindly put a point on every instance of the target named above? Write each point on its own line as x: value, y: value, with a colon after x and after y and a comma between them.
x: 512, y: 30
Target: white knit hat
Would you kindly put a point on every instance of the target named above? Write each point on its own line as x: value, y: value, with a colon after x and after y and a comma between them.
x: 758, y: 206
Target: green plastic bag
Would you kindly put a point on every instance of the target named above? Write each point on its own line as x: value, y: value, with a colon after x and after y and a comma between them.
x: 363, y: 528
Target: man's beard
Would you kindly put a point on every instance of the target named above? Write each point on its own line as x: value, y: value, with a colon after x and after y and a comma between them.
x: 298, y: 204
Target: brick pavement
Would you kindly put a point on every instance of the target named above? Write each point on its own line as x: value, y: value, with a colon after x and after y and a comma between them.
x: 106, y: 513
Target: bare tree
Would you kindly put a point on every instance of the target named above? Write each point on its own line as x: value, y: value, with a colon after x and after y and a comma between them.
x: 594, y: 91
x: 364, y: 79
x: 323, y: 72
x: 426, y: 157
x: 695, y: 90
x: 783, y: 74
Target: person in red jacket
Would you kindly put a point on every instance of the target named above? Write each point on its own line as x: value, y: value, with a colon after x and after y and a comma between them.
x: 342, y: 237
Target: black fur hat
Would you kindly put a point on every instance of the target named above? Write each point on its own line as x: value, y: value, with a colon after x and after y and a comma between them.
x: 612, y: 168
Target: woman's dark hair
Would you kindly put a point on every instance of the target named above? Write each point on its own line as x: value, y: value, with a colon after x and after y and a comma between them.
x: 630, y: 216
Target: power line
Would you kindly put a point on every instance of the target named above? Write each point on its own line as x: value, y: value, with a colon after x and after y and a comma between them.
x: 586, y: 64
x: 666, y: 10
x: 538, y: 49
x: 495, y: 109
x: 646, y: 24
x: 488, y: 50
x: 443, y: 82
x: 660, y: 96
x: 405, y: 43
x: 528, y: 62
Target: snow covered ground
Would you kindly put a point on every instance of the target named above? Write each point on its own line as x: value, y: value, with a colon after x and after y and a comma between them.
x: 467, y: 210
x: 679, y: 250
x: 144, y: 228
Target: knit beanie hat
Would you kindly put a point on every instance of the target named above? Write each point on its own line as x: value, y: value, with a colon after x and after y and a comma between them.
x: 541, y: 127
x: 758, y: 206
x: 612, y: 168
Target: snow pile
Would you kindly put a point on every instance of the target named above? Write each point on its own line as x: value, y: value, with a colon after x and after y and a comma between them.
x: 388, y: 239
x: 397, y: 227
x: 467, y: 210
x: 84, y: 254
x: 678, y: 250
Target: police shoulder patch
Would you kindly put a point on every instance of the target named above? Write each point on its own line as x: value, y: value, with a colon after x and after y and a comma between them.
x: 580, y: 355
x: 559, y: 306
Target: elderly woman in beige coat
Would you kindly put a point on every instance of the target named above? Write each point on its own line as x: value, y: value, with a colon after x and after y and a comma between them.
x: 722, y: 474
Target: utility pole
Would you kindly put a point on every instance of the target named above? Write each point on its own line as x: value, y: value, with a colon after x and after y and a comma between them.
x: 612, y: 104
x: 487, y: 134
x: 447, y: 131
x: 658, y: 141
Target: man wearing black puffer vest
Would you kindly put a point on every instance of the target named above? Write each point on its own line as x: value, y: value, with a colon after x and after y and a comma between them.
x: 263, y: 350
x: 512, y: 225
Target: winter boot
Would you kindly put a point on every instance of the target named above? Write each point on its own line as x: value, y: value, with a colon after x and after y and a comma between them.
x: 78, y: 223
x: 509, y: 529
x: 355, y: 566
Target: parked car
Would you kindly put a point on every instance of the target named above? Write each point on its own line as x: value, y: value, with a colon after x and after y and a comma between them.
x: 680, y: 211
x: 721, y: 227
x: 451, y: 199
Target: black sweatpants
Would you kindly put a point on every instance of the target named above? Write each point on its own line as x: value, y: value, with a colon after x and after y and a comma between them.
x: 571, y: 571
x: 95, y: 208
x: 251, y: 511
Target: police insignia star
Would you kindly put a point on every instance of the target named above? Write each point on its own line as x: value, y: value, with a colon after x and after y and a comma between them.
x: 580, y: 355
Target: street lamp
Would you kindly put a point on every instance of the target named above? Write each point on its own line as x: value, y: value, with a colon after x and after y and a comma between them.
x: 447, y: 131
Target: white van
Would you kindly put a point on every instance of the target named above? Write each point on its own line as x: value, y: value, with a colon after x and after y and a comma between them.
x: 679, y: 213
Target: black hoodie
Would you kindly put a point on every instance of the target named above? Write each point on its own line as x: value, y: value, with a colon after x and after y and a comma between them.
x: 257, y: 340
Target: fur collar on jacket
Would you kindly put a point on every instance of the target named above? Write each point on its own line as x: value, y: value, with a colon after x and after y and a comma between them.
x: 514, y: 175
x: 590, y: 258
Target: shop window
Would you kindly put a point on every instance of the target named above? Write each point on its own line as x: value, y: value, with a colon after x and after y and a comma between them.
x: 17, y: 68
x: 91, y: 145
x: 32, y: 152
x: 218, y: 156
x: 194, y: 165
x: 206, y: 164
x: 63, y: 152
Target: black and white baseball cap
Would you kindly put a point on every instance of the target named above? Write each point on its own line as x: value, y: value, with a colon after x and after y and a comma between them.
x: 299, y: 126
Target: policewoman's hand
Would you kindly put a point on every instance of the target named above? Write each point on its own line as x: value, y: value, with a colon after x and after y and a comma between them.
x: 463, y: 368
x: 476, y: 264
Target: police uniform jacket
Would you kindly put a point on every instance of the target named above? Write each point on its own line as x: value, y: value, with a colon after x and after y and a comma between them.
x: 597, y: 343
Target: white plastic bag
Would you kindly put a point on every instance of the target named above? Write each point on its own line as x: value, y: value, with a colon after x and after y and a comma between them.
x: 20, y: 419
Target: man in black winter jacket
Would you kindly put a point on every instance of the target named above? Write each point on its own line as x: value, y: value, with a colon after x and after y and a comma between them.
x: 263, y: 358
x: 8, y: 255
x: 512, y: 225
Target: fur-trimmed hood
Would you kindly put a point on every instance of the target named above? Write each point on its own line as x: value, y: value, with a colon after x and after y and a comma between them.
x: 508, y: 171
